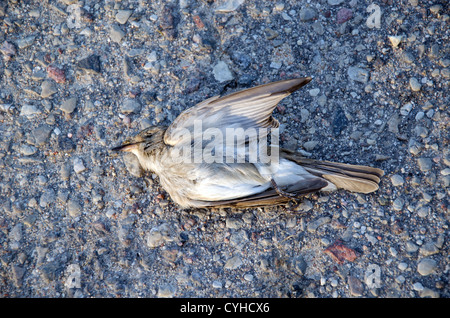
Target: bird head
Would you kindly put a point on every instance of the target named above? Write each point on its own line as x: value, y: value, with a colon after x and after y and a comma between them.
x: 143, y: 142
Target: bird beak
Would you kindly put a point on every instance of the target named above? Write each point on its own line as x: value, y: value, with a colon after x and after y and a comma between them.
x: 125, y: 147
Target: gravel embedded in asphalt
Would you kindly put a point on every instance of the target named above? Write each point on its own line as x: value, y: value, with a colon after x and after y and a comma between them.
x: 79, y: 77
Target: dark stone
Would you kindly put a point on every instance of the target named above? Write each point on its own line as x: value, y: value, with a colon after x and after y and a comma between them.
x: 90, y: 64
x: 243, y: 60
x: 148, y: 97
x: 300, y: 265
x: 340, y: 122
x: 51, y: 271
x: 246, y: 80
x: 66, y: 144
x: 168, y: 22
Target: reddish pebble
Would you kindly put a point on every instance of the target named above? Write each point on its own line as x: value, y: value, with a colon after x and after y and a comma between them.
x: 340, y: 253
x: 344, y: 15
x: 56, y: 74
x: 198, y: 22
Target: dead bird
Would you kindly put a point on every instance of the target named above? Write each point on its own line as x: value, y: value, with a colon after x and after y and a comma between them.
x: 198, y: 168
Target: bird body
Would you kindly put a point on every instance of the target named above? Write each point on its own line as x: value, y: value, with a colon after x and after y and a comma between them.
x: 206, y: 172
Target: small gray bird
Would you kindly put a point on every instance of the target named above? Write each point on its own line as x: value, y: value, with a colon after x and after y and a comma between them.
x: 232, y: 179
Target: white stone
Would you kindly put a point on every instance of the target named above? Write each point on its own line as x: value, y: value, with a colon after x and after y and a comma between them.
x: 78, y: 165
x: 229, y: 5
x: 335, y: 2
x: 314, y: 92
x: 395, y: 40
x: 29, y: 110
x: 397, y: 180
x: 405, y: 110
x: 222, y: 73
x: 217, y: 284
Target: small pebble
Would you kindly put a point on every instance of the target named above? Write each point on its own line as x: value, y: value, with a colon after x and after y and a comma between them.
x: 435, y: 9
x: 411, y: 247
x: 358, y: 74
x: 87, y: 32
x: 305, y: 206
x: 23, y: 43
x: 406, y: 109
x: 424, y: 164
x: 78, y: 165
x: 393, y: 251
x: 41, y: 134
x: 343, y: 15
x: 8, y: 50
x: 314, y: 92
x: 414, y: 84
x: 355, y: 286
x: 122, y: 16
x: 74, y: 208
x: 56, y: 73
x: 90, y: 64
x: 29, y: 110
x: 428, y: 249
x: 419, y: 116
x: 402, y: 266
x: 400, y: 279
x: 397, y: 180
x: 130, y: 105
x: 166, y: 291
x: 116, y: 33
x: 395, y: 40
x: 233, y: 263
x: 47, y: 197
x: 217, y: 284
x: 48, y: 89
x: 310, y: 145
x: 307, y: 14
x: 27, y: 150
x: 423, y: 211
x: 69, y: 105
x: 222, y: 73
x: 234, y: 223
x: 418, y: 287
x: 155, y: 238
x: 414, y: 147
x: 429, y: 293
x: 398, y: 204
x: 229, y: 6
x: 427, y: 266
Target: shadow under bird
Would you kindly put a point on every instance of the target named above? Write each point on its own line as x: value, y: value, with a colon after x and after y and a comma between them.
x: 240, y: 184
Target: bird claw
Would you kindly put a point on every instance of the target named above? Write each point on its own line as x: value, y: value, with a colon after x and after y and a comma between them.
x: 293, y: 197
x: 283, y: 193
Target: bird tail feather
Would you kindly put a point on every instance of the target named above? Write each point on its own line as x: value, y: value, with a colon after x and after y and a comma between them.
x: 349, y: 177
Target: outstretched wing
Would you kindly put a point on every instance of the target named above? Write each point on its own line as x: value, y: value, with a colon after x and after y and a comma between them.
x: 250, y: 108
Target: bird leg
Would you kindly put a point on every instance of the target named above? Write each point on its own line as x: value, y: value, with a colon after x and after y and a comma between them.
x: 288, y: 195
x: 283, y: 193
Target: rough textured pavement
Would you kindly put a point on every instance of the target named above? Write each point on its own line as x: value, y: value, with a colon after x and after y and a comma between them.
x: 78, y: 77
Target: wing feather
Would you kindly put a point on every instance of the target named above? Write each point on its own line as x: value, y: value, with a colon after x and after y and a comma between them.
x: 251, y: 108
